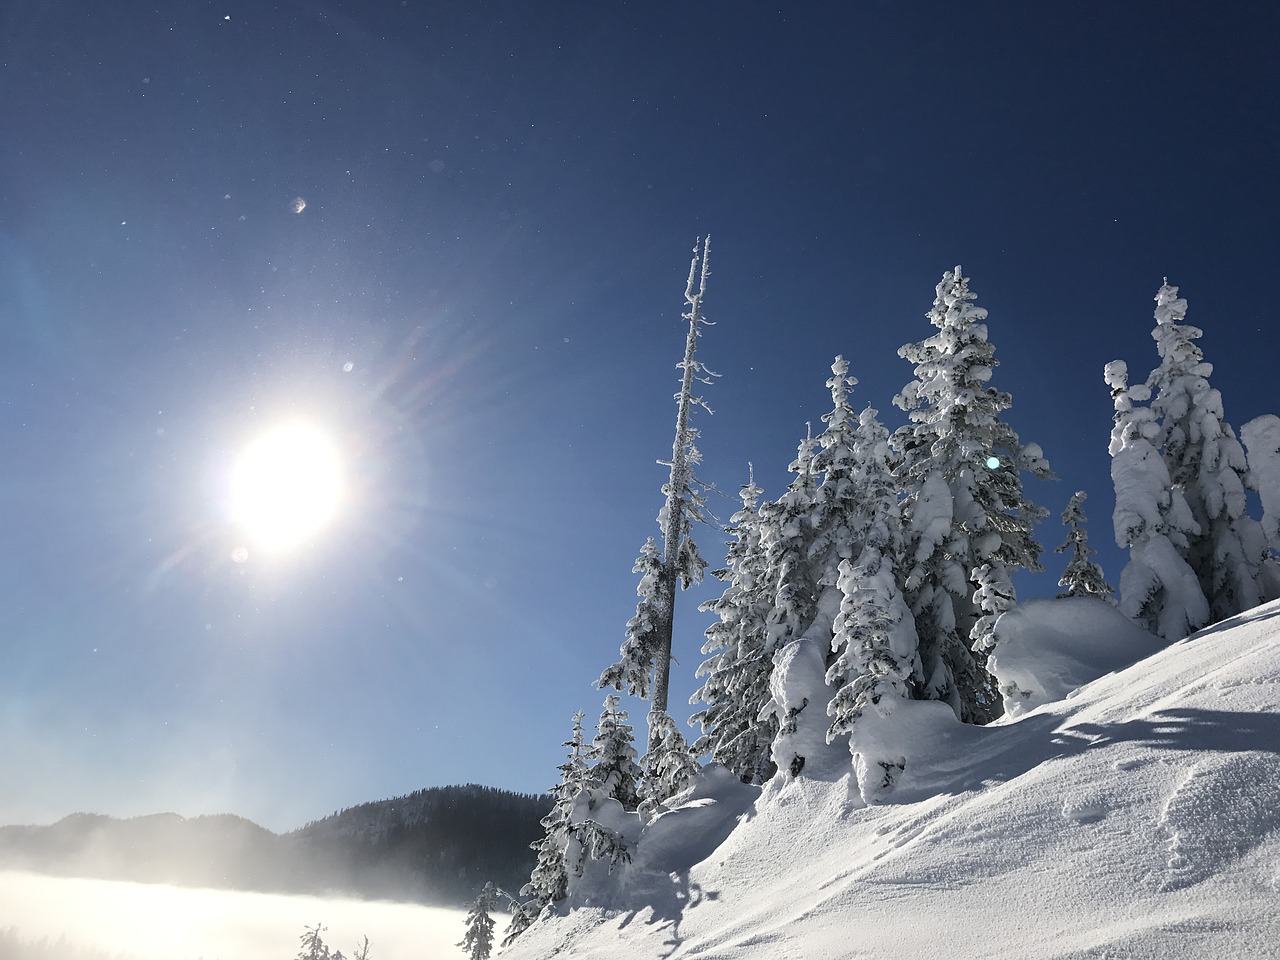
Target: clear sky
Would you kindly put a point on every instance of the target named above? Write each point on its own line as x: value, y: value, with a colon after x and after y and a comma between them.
x: 480, y: 306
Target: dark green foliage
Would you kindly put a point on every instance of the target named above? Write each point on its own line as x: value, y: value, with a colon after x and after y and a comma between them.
x: 437, y: 845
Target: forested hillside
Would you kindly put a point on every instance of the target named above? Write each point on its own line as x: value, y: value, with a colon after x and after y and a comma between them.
x: 432, y: 846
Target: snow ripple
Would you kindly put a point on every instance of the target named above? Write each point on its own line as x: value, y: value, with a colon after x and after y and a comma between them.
x: 1224, y: 808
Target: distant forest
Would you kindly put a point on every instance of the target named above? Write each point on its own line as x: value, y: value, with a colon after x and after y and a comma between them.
x: 433, y: 846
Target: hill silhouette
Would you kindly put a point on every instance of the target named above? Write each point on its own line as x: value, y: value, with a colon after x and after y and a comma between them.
x: 432, y: 846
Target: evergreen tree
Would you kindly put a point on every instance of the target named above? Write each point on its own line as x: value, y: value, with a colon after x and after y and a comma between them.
x: 877, y: 663
x: 633, y: 671
x: 650, y: 648
x: 963, y: 504
x: 737, y: 672
x: 879, y: 537
x: 478, y: 941
x: 992, y: 595
x: 616, y: 772
x: 522, y: 916
x: 313, y: 946
x: 838, y: 514
x: 1158, y: 588
x: 669, y: 765
x: 1206, y: 461
x: 843, y: 494
x: 875, y: 643
x: 1261, y: 437
x: 786, y: 535
x: 1083, y: 577
x: 549, y: 881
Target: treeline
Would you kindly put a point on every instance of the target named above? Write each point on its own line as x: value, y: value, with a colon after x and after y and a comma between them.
x: 432, y: 846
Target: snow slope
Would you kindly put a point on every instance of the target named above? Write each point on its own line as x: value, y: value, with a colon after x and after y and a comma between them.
x: 1139, y: 817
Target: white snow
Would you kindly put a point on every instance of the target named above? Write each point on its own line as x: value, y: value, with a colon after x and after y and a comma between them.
x: 1047, y: 648
x: 1137, y: 818
x: 1262, y: 438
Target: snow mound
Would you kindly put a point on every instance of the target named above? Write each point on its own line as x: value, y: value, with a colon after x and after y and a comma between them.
x: 1138, y: 819
x: 1047, y: 648
x: 663, y: 850
x: 800, y: 694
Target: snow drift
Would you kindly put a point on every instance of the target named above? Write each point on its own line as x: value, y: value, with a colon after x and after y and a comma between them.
x: 1137, y: 818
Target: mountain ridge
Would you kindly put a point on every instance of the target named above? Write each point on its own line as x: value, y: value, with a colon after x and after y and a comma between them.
x: 436, y: 845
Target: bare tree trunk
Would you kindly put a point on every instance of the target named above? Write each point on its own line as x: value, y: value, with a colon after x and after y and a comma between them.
x: 677, y: 487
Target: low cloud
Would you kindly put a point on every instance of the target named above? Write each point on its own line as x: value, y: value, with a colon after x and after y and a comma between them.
x: 157, y: 922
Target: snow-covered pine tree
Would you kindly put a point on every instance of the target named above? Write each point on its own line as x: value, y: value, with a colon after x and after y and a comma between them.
x: 650, y: 647
x: 875, y: 643
x: 615, y: 772
x: 785, y: 536
x: 313, y: 947
x: 523, y: 913
x: 1158, y: 588
x: 992, y: 595
x: 633, y: 673
x: 826, y: 522
x: 1083, y: 577
x: 877, y: 664
x: 963, y: 503
x: 668, y: 766
x: 736, y: 673
x: 478, y: 941
x: 1261, y: 438
x: 1207, y: 462
x: 549, y: 880
x: 838, y: 515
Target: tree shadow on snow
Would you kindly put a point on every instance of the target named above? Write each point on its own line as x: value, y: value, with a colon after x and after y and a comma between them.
x: 1189, y: 729
x: 986, y: 755
x: 667, y: 902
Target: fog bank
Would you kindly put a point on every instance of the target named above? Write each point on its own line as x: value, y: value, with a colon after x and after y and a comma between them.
x: 157, y: 922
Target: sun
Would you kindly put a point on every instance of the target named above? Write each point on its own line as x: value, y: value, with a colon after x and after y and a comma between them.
x: 286, y: 486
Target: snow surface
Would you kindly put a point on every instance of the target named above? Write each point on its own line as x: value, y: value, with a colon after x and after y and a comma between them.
x: 1047, y: 648
x: 1137, y: 818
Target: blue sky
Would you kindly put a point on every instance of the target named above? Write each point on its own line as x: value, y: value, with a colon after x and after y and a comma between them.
x: 501, y: 199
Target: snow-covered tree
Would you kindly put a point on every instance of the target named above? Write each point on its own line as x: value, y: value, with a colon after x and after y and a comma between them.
x: 963, y: 503
x: 1228, y: 550
x: 523, y: 913
x: 478, y: 941
x: 668, y: 766
x: 874, y: 642
x: 1261, y: 437
x: 1083, y: 577
x: 736, y: 673
x: 615, y: 771
x: 785, y: 535
x: 1158, y: 588
x: 633, y: 673
x: 550, y: 877
x: 650, y: 647
x: 877, y: 663
x: 992, y: 595
x: 838, y: 514
x: 313, y: 947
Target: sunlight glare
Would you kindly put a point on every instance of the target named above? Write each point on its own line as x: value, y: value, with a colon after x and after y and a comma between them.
x: 286, y: 486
